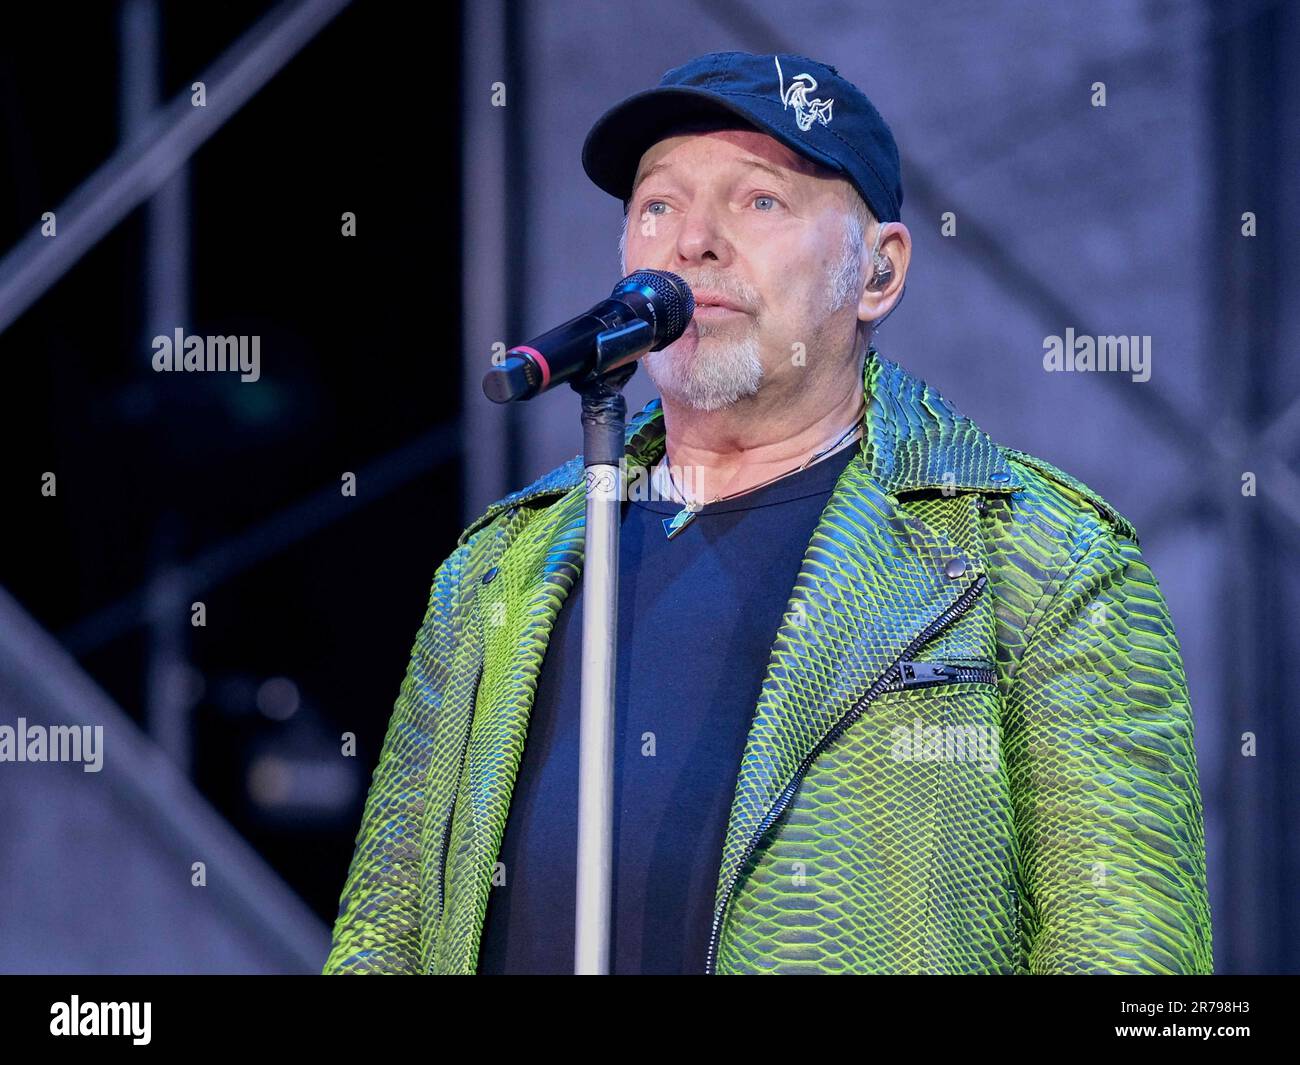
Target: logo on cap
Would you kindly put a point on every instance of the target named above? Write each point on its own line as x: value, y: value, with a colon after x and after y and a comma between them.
x: 796, y: 96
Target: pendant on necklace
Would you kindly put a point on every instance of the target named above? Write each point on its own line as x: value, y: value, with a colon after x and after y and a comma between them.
x: 679, y: 521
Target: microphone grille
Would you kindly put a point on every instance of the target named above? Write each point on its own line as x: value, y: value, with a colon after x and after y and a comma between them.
x: 673, y: 299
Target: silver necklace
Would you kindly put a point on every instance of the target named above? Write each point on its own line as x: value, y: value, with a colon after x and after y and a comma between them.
x: 679, y: 521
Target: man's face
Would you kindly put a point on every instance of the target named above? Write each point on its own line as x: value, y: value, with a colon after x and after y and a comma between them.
x: 744, y: 219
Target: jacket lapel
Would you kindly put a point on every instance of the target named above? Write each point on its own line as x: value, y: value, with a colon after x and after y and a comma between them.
x: 515, y: 613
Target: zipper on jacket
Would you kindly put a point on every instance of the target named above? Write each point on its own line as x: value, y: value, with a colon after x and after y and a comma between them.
x: 893, y: 675
x: 929, y: 674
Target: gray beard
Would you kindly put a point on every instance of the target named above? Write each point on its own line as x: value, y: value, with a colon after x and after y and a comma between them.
x: 719, y: 372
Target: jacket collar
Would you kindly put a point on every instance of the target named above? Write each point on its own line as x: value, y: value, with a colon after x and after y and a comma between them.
x: 913, y: 439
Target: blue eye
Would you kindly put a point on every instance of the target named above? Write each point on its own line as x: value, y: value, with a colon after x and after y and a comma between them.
x: 765, y: 197
x: 654, y: 203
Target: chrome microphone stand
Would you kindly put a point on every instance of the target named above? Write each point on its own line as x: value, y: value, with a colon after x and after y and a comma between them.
x: 604, y: 412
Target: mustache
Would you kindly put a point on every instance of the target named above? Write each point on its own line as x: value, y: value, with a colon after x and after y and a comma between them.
x: 722, y: 286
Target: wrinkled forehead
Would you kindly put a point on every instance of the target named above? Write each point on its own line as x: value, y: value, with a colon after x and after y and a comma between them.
x: 771, y: 148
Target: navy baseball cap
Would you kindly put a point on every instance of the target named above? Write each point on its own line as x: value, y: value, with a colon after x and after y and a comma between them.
x: 804, y: 104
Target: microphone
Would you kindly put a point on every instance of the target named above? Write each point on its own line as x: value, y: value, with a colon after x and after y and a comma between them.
x: 647, y: 311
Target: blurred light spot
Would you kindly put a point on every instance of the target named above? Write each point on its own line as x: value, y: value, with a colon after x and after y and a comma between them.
x: 302, y: 787
x: 270, y: 780
x: 277, y: 698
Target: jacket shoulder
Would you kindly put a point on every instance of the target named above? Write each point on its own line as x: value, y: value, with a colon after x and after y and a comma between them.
x: 1072, y: 489
x: 547, y: 488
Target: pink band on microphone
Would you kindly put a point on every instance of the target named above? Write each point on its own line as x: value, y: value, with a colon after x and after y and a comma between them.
x: 541, y: 362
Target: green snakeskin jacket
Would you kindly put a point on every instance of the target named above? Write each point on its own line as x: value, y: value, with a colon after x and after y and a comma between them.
x: 972, y: 751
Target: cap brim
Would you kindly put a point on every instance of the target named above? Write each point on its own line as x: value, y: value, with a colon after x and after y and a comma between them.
x: 613, y: 148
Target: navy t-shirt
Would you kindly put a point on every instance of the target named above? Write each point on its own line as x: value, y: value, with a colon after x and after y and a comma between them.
x: 698, y: 615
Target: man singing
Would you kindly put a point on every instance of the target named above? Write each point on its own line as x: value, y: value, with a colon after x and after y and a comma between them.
x: 891, y: 697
